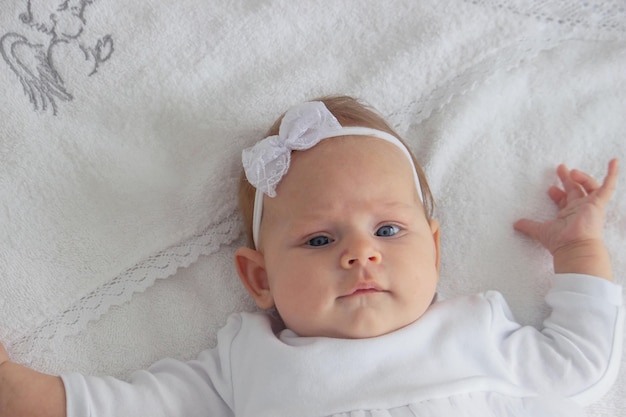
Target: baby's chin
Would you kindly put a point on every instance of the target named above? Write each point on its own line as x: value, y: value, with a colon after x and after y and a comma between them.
x: 355, y: 332
x: 389, y: 330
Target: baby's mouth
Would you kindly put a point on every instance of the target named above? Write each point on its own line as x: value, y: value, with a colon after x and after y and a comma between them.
x: 364, y: 288
x: 365, y: 291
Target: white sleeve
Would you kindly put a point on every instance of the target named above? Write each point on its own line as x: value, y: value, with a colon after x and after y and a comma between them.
x: 171, y: 388
x: 578, y: 352
x: 168, y: 388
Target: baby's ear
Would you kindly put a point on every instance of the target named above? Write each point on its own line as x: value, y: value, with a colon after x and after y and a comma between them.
x: 250, y: 266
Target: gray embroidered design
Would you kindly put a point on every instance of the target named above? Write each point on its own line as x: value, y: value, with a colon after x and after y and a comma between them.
x: 61, y: 24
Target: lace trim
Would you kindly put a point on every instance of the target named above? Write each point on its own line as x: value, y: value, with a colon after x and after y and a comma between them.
x: 605, y: 16
x: 51, y: 333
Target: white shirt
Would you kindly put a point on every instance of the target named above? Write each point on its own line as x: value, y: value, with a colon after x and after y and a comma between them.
x: 464, y: 356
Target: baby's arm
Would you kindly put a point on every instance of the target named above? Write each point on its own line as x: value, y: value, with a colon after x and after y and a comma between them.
x: 25, y: 392
x: 574, y: 237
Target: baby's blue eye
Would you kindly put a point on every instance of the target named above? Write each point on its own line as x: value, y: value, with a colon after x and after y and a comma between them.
x: 387, y: 231
x: 318, y: 241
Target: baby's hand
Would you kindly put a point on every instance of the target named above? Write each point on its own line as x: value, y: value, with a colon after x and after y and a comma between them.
x: 574, y: 237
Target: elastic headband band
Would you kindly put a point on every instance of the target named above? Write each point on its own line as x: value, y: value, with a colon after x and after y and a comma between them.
x: 302, y: 127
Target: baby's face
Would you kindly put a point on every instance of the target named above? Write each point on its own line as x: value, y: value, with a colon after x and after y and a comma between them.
x: 347, y: 249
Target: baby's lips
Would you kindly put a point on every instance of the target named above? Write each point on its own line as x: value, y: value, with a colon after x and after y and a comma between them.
x: 364, y: 287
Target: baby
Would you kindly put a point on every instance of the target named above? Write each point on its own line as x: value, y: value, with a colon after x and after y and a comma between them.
x: 344, y: 250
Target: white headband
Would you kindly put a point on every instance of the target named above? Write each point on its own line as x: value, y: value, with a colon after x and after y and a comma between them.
x: 302, y: 127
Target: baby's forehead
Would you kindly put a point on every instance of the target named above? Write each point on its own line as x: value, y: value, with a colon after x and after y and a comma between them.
x: 335, y: 161
x: 342, y: 167
x: 349, y: 148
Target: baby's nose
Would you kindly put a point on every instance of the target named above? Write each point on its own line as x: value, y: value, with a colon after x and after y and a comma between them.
x: 360, y: 252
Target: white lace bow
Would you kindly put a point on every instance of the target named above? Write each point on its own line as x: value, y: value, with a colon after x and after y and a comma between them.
x: 302, y: 127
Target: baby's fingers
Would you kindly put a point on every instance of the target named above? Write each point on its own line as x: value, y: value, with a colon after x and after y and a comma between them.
x: 572, y: 189
x: 585, y: 180
x: 605, y: 192
x: 558, y: 196
x: 528, y: 227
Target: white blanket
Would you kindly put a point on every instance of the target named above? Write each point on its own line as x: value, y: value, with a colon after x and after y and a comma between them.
x: 122, y: 125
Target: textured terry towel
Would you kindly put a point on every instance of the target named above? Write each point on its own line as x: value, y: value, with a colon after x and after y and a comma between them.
x: 122, y: 126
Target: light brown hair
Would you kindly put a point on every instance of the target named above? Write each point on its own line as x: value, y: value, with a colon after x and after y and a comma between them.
x: 349, y: 112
